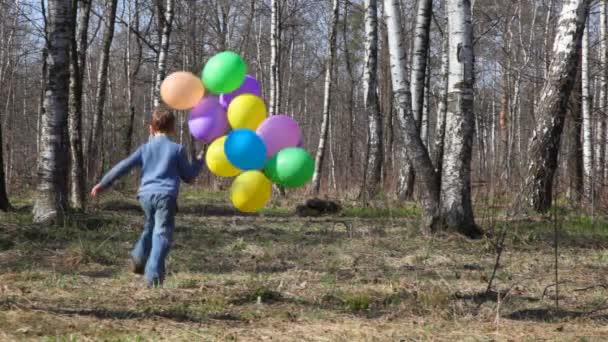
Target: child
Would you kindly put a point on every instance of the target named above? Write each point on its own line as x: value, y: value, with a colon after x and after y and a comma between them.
x: 163, y: 163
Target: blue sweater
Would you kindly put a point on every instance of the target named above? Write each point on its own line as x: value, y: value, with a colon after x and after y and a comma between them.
x: 163, y: 163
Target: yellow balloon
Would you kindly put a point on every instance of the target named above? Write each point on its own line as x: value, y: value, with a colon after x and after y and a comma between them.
x: 182, y: 90
x: 246, y: 111
x: 250, y: 191
x: 216, y: 159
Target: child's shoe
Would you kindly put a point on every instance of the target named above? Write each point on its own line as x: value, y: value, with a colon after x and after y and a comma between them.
x: 137, y: 266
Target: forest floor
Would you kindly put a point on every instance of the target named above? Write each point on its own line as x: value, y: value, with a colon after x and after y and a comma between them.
x: 364, y: 275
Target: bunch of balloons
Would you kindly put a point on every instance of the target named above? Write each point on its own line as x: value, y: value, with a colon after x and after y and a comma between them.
x: 228, y: 112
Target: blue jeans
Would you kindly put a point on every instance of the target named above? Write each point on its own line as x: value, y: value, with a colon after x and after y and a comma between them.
x: 155, y: 241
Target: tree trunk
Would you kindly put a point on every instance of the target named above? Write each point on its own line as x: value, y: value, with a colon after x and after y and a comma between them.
x: 551, y: 107
x: 603, y: 100
x: 78, y: 53
x: 329, y: 69
x: 442, y: 106
x: 575, y: 158
x: 165, y: 20
x: 131, y: 72
x: 5, y: 205
x: 456, y: 204
x: 373, y: 168
x: 94, y: 144
x: 587, y: 123
x: 419, y: 58
x: 416, y: 151
x: 275, y: 55
x: 50, y: 202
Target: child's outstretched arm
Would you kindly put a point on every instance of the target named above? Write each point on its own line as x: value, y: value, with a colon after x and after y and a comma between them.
x: 118, y: 171
x: 188, y: 171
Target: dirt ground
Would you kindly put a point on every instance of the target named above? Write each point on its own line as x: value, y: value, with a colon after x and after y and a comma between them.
x: 364, y: 275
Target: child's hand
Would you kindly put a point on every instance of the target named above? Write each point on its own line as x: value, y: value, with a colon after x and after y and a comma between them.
x: 97, y: 189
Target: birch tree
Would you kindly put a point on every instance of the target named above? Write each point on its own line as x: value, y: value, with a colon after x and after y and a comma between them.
x: 603, y: 100
x: 419, y: 57
x: 551, y: 108
x: 95, y: 135
x: 78, y: 53
x: 373, y: 169
x: 320, y: 156
x: 417, y: 153
x: 50, y: 202
x: 275, y: 55
x: 460, y: 122
x: 587, y: 126
x: 406, y: 181
x: 165, y: 23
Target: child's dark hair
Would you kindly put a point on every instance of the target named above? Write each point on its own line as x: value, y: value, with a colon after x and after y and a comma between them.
x: 163, y: 121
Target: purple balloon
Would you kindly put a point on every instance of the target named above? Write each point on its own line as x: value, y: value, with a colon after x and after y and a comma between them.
x: 208, y: 120
x: 300, y: 143
x: 279, y: 132
x: 249, y: 86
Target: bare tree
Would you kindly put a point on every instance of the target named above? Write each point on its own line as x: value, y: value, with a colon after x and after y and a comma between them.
x: 418, y: 154
x: 587, y: 123
x: 78, y: 53
x: 373, y: 167
x: 602, y: 174
x: 456, y: 175
x: 95, y: 142
x: 551, y: 107
x: 165, y: 23
x: 275, y: 55
x: 131, y: 70
x: 50, y: 202
x: 329, y: 69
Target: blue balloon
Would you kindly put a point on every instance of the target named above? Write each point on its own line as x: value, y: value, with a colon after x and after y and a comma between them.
x: 245, y: 149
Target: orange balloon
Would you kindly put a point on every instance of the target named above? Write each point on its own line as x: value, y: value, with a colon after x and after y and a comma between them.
x: 182, y: 90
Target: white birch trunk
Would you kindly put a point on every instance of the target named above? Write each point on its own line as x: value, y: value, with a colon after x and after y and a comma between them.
x: 551, y: 107
x: 587, y: 126
x: 419, y: 58
x: 603, y: 100
x: 275, y: 48
x: 165, y: 14
x: 460, y: 122
x: 78, y: 53
x: 50, y: 202
x: 373, y: 167
x: 329, y: 69
x: 416, y: 151
x: 442, y: 106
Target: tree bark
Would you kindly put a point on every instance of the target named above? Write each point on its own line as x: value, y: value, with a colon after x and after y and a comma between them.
x: 94, y: 143
x: 417, y: 153
x: 78, y: 53
x: 602, y: 174
x: 442, y: 106
x: 420, y: 56
x: 165, y: 21
x: 131, y: 72
x: 275, y: 55
x: 551, y: 107
x: 456, y: 204
x: 587, y: 122
x: 575, y: 158
x: 329, y: 69
x: 50, y: 202
x: 373, y: 169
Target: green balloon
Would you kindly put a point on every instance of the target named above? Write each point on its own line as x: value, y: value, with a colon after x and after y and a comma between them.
x: 291, y: 167
x: 224, y: 73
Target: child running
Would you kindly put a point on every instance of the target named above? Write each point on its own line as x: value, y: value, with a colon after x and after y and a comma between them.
x: 163, y: 164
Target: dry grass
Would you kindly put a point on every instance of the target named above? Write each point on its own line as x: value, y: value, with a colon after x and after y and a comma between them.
x: 351, y: 278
